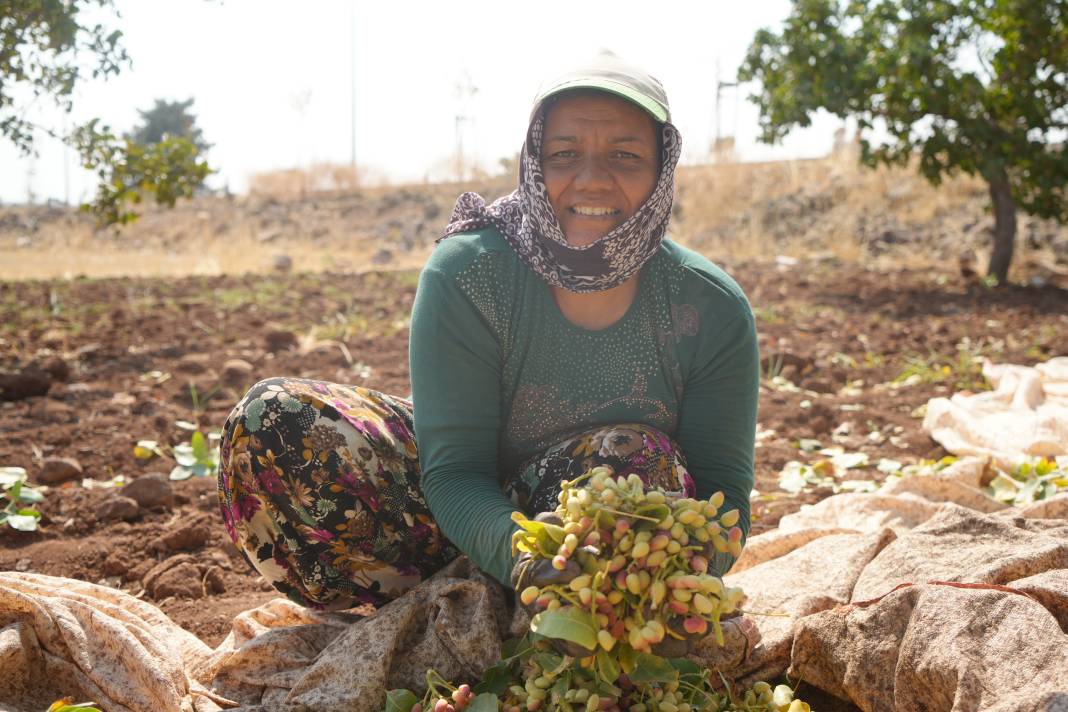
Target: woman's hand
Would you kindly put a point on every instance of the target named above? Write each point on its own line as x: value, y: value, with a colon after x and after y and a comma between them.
x: 529, y: 571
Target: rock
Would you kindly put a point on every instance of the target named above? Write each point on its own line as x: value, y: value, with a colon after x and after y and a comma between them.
x: 54, y: 411
x: 55, y: 470
x: 149, y: 491
x: 282, y: 263
x: 191, y: 363
x: 115, y: 565
x: 187, y: 535
x: 53, y: 338
x: 23, y: 565
x: 213, y: 581
x: 25, y: 383
x: 277, y: 339
x: 237, y: 372
x: 177, y: 576
x: 56, y: 367
x: 118, y: 507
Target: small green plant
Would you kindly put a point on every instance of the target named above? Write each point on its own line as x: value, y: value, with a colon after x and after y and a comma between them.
x: 772, y: 368
x: 965, y: 373
x: 1028, y: 482
x: 15, y: 495
x: 197, y: 458
x: 200, y: 402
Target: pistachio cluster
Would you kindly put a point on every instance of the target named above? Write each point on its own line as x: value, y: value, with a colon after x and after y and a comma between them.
x: 644, y: 558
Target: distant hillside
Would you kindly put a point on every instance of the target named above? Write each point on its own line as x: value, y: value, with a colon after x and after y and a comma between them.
x: 825, y: 207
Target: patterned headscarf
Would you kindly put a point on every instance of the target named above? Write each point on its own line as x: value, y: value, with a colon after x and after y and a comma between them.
x: 528, y: 222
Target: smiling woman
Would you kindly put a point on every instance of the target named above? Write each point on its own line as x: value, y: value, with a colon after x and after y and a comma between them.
x: 600, y: 158
x: 553, y: 331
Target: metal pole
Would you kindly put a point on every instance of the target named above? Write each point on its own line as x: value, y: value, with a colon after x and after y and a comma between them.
x: 352, y: 85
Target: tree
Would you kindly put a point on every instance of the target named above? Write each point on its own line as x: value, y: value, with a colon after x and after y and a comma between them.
x: 169, y: 118
x: 43, y: 48
x: 978, y: 86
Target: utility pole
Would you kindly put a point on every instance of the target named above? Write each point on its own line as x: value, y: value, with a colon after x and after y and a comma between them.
x: 66, y: 165
x: 464, y: 91
x: 352, y: 86
x: 723, y: 144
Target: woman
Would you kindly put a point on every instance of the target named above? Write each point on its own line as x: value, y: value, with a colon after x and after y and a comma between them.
x: 552, y: 331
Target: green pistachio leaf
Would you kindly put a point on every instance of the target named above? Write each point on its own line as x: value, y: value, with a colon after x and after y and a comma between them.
x: 400, y: 701
x: 652, y: 668
x: 567, y: 623
x: 485, y: 702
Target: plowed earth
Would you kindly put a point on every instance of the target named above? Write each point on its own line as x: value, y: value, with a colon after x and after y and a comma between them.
x: 133, y: 347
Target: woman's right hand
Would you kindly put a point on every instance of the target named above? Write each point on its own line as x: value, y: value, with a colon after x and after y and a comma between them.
x: 529, y: 571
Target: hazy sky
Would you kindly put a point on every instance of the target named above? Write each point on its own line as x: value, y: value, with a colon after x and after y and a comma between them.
x: 272, y: 79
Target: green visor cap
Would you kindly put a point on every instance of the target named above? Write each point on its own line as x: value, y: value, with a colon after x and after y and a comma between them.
x: 608, y: 73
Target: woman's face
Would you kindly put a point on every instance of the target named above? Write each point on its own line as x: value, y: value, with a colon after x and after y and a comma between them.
x: 600, y: 158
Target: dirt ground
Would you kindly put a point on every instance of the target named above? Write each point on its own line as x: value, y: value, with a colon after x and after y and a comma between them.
x: 122, y: 359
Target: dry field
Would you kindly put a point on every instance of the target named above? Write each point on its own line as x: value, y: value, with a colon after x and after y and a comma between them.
x: 863, y: 318
x: 730, y: 211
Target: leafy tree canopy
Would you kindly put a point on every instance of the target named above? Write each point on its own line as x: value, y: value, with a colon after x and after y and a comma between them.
x: 169, y: 118
x: 979, y: 86
x: 44, y: 45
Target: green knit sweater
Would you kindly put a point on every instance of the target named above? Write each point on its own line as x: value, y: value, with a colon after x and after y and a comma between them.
x: 499, y: 374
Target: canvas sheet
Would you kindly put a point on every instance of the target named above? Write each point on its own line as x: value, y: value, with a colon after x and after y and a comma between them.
x: 927, y: 595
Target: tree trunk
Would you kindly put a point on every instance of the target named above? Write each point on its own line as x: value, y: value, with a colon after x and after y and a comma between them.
x: 1004, y: 227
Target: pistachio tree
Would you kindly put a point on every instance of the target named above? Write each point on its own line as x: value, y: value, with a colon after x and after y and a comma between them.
x: 48, y: 48
x: 972, y: 86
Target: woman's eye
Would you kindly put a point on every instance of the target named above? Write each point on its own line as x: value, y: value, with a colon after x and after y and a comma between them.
x: 563, y: 154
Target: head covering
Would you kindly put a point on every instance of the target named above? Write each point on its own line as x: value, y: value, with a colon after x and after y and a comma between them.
x: 527, y: 219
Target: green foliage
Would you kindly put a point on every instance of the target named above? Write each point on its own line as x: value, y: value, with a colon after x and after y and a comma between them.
x: 130, y: 171
x: 979, y: 86
x: 569, y: 623
x: 1029, y: 482
x: 43, y: 49
x: 44, y: 46
x: 14, y: 498
x: 169, y: 119
x: 965, y: 373
x: 197, y: 458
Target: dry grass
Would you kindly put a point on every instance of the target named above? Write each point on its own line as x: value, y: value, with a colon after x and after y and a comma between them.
x: 796, y: 208
x: 322, y: 177
x: 728, y: 210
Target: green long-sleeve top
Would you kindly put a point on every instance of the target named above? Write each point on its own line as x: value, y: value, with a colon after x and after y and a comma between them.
x: 499, y: 374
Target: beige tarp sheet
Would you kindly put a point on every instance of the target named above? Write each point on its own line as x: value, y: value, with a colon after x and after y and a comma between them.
x: 861, y: 587
x: 1025, y: 416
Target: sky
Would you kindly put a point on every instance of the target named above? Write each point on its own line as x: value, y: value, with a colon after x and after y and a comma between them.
x: 274, y: 82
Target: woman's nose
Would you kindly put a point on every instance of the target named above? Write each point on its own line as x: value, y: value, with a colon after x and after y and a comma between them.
x: 592, y: 174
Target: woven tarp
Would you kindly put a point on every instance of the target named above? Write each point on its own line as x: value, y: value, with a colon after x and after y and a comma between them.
x: 862, y: 590
x: 1025, y: 416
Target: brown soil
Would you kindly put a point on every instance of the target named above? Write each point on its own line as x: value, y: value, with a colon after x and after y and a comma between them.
x: 135, y: 346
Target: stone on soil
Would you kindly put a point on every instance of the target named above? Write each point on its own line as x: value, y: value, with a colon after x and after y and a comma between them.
x: 55, y: 470
x: 56, y: 367
x: 187, y: 535
x: 26, y: 383
x: 237, y: 372
x: 177, y: 576
x: 191, y: 363
x: 151, y: 490
x: 115, y: 565
x: 118, y: 507
x: 276, y: 339
x: 213, y: 581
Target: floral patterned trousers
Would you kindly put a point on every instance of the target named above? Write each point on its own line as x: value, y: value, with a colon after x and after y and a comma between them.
x: 319, y: 488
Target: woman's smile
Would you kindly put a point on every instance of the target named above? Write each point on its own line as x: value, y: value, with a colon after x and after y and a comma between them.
x: 600, y: 159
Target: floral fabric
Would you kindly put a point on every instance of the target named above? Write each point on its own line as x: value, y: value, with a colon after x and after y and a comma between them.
x: 319, y: 487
